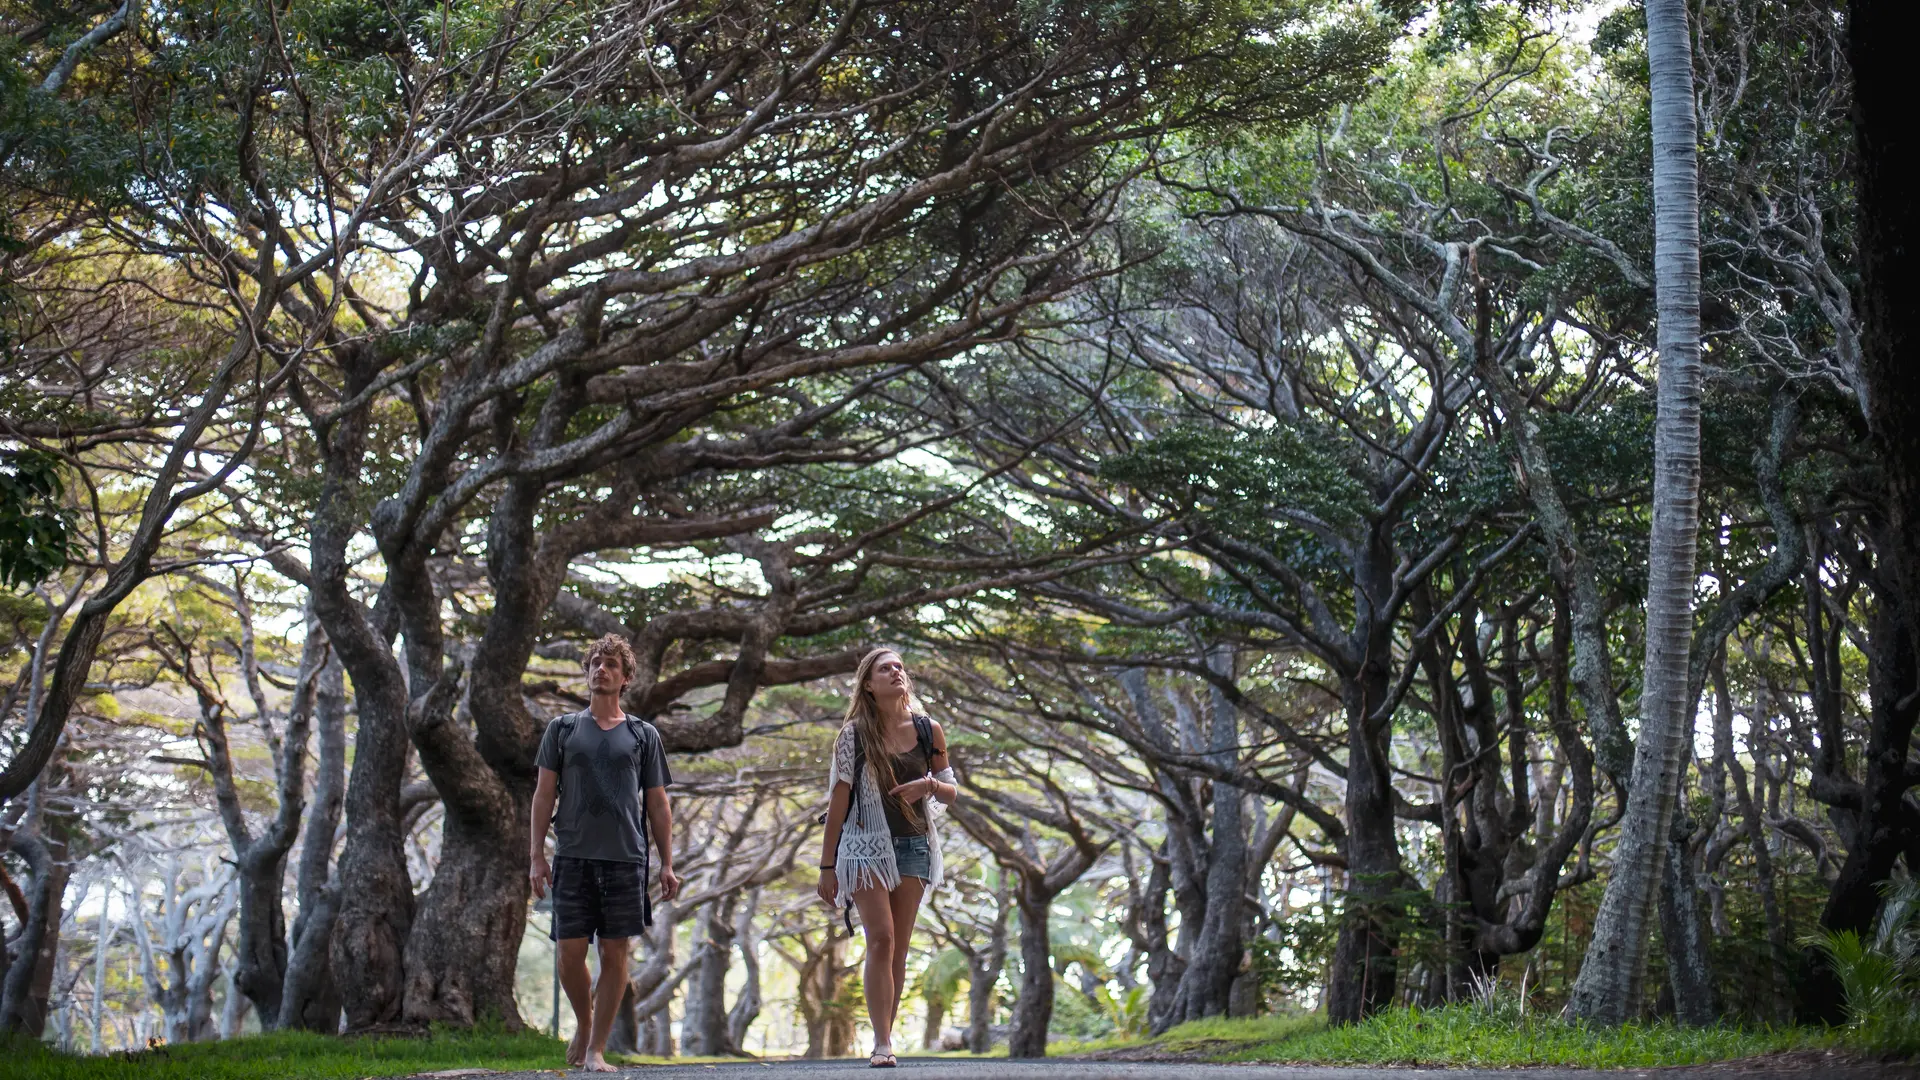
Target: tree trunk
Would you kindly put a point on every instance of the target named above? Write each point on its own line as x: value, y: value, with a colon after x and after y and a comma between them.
x: 1363, y: 971
x: 374, y: 892
x: 308, y: 999
x: 746, y: 1007
x: 29, y: 978
x: 462, y: 951
x: 703, y: 1022
x: 659, y: 1034
x: 983, y: 980
x: 936, y: 1021
x: 1688, y: 968
x: 1888, y: 227
x: 1207, y: 984
x: 1165, y: 966
x: 652, y: 973
x: 1607, y: 990
x: 466, y: 943
x: 1033, y: 1010
x: 262, y: 938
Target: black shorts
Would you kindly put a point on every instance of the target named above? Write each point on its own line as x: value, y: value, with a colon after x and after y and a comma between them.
x: 599, y: 898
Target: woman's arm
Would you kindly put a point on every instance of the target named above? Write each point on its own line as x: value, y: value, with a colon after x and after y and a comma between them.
x: 939, y: 764
x: 837, y: 803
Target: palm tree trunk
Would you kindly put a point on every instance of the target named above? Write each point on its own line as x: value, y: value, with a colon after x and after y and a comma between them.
x: 1608, y: 988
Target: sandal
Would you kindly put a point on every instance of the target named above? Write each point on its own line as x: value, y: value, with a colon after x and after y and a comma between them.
x: 880, y: 1060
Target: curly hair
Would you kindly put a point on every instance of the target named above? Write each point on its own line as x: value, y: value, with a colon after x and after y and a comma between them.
x: 617, y: 645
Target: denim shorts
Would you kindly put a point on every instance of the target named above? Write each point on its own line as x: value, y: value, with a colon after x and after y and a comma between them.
x: 913, y: 857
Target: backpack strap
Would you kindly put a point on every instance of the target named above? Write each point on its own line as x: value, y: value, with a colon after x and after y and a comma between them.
x: 638, y: 728
x: 923, y: 735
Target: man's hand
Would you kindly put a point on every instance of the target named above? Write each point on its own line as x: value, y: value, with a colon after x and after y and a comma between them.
x: 540, y: 875
x: 669, y: 884
x: 829, y: 886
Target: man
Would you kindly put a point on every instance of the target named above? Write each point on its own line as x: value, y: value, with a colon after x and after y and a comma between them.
x: 610, y: 774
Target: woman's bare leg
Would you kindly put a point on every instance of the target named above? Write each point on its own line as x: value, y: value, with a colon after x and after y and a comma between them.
x: 905, y: 904
x: 876, y: 921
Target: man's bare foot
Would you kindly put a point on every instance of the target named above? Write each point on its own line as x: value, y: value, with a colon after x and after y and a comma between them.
x: 596, y: 1062
x: 577, y: 1047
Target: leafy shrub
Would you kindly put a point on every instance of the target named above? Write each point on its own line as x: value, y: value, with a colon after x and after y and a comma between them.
x: 1881, y: 975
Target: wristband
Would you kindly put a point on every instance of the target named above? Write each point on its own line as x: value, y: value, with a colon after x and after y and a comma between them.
x: 826, y: 866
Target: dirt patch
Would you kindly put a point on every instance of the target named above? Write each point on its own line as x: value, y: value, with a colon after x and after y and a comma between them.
x: 1197, y: 1050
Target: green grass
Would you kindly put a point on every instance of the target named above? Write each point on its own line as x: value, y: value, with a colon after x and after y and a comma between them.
x: 301, y: 1056
x: 1466, y: 1035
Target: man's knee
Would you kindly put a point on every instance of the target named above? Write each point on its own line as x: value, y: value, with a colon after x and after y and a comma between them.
x: 615, y: 950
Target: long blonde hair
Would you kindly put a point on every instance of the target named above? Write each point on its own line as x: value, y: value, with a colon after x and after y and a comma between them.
x: 863, y: 712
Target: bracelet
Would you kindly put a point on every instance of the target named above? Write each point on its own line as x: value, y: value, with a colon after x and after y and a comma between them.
x: 826, y: 866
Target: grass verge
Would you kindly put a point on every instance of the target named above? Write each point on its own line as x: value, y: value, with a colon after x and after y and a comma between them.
x: 1465, y: 1035
x: 302, y: 1056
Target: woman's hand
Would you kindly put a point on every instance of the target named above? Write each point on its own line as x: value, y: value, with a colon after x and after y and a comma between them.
x: 829, y: 886
x: 913, y: 790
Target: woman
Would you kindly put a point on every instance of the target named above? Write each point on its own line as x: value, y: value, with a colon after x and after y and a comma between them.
x: 881, y: 848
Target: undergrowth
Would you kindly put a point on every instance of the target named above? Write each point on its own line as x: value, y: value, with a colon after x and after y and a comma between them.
x: 292, y: 1055
x: 1469, y: 1035
x: 1880, y: 974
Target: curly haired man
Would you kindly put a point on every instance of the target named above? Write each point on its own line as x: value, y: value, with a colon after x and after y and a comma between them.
x: 603, y: 787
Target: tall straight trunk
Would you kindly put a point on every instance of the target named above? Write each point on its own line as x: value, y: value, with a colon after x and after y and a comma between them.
x: 308, y: 999
x: 1607, y: 990
x: 1033, y: 1009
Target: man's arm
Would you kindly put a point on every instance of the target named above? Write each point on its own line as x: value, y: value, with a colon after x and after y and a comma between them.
x: 543, y: 792
x: 660, y: 820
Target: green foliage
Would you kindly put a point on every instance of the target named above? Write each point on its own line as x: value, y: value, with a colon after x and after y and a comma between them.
x: 292, y: 1056
x: 36, y: 527
x: 939, y: 982
x: 1237, y: 482
x: 1467, y: 1035
x: 1880, y: 975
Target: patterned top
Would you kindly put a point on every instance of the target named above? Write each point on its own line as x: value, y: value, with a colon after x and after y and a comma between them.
x: 865, y: 857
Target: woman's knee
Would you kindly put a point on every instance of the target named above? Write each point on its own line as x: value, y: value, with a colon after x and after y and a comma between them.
x: 880, y: 939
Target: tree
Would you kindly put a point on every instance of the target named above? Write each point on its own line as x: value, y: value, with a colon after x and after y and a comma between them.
x: 1887, y: 818
x: 814, y: 251
x: 1609, y: 985
x: 1002, y: 817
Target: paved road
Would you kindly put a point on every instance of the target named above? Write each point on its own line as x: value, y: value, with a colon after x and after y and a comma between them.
x: 1002, y: 1069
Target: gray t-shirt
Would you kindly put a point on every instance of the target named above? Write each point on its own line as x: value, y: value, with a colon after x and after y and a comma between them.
x: 602, y: 776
